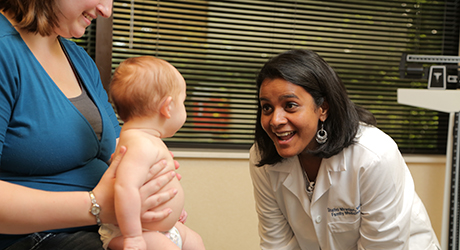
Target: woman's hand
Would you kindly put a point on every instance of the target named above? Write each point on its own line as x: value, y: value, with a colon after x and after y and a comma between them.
x: 104, y: 191
x: 151, y: 198
x: 154, y: 185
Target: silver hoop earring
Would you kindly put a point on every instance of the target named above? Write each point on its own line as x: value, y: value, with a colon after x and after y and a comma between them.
x: 321, y: 135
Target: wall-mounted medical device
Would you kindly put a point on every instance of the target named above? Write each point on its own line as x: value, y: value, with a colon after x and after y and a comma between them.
x: 444, y: 74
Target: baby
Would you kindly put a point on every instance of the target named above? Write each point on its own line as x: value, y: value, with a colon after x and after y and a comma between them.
x: 149, y: 95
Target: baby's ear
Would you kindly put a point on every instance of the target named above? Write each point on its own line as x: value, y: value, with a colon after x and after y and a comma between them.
x: 165, y: 107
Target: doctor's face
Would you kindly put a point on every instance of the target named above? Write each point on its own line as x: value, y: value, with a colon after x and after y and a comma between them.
x: 289, y: 116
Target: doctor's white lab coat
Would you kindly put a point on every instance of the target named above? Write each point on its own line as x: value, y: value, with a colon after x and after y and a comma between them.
x: 364, y: 199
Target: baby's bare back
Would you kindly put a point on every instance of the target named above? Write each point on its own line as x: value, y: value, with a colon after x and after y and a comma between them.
x: 177, y: 203
x: 153, y: 149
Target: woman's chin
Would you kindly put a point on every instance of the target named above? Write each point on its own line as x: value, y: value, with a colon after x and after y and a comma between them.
x: 286, y: 153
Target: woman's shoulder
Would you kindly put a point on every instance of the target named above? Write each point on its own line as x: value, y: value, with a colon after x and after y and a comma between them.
x: 6, y: 29
x: 14, y: 57
x: 372, y: 149
x: 372, y: 137
x: 372, y: 143
x: 11, y: 43
x: 254, y: 156
x: 9, y: 39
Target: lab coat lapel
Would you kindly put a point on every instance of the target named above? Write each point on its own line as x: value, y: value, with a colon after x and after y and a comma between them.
x: 291, y: 177
x: 324, y: 180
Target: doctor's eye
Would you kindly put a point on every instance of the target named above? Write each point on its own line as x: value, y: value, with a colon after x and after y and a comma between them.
x: 266, y: 108
x: 291, y: 106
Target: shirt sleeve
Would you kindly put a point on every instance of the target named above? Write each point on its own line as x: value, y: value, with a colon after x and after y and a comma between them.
x: 8, y: 91
x: 274, y: 230
x: 387, y: 193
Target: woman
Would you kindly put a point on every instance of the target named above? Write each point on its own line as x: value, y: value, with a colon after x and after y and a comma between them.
x: 57, y: 130
x: 324, y: 177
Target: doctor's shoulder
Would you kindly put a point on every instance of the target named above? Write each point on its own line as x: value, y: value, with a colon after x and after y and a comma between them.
x: 375, y: 140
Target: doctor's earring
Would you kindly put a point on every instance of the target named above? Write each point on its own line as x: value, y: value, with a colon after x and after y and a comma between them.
x: 321, y: 135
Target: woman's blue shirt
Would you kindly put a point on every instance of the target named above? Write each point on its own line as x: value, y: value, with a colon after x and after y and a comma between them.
x: 45, y: 142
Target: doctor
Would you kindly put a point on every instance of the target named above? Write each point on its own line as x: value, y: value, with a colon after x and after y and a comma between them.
x: 324, y: 177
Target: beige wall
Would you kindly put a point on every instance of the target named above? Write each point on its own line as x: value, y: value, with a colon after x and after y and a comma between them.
x: 429, y: 174
x: 220, y: 203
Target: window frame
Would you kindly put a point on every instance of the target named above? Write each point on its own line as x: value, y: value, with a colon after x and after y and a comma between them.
x: 104, y: 62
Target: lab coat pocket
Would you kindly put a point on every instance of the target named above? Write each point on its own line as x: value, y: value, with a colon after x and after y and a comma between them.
x: 344, y: 234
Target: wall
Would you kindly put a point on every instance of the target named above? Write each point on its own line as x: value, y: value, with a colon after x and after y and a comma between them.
x: 220, y: 203
x: 429, y: 174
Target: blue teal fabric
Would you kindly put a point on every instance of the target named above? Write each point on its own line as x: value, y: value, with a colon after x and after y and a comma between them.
x: 45, y: 142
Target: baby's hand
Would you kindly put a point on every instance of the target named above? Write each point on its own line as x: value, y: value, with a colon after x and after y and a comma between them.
x: 183, y: 216
x: 134, y: 243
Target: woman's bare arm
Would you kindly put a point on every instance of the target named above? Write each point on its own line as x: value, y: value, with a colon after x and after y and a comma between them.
x: 25, y: 210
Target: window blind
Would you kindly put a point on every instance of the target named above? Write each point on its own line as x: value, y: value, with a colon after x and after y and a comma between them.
x: 219, y: 46
x: 88, y: 40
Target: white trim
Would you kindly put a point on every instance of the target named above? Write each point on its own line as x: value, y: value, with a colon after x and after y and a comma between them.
x: 211, y: 153
x: 415, y: 158
x: 244, y: 154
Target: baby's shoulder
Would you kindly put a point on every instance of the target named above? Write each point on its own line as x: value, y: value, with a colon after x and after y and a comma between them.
x: 141, y: 141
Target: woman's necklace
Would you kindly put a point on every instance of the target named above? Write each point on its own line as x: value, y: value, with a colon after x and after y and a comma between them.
x: 309, y: 185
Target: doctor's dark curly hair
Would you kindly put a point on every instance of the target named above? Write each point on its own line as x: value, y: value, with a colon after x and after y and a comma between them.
x: 307, y: 69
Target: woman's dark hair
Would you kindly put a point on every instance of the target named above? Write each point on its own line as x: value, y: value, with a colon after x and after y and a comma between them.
x: 307, y: 69
x: 35, y: 16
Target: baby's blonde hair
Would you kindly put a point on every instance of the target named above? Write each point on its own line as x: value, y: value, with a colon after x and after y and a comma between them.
x: 140, y: 84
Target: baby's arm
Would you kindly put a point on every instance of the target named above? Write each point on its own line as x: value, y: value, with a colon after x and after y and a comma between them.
x: 131, y: 175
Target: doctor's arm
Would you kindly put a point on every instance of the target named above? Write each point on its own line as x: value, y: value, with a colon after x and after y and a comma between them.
x: 274, y: 230
x: 386, y: 202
